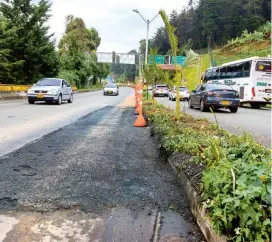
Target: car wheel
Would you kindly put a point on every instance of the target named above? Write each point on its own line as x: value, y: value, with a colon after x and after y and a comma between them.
x: 59, y: 101
x: 203, y: 108
x: 234, y: 109
x: 190, y: 104
x: 31, y: 101
x: 71, y: 98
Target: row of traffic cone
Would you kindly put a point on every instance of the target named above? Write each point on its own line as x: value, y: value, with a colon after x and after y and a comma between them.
x: 140, y: 121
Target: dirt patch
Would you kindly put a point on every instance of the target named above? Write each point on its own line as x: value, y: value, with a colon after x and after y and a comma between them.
x: 129, y: 102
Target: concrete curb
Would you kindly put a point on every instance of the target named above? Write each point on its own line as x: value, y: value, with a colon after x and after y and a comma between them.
x: 195, y: 205
x: 92, y: 90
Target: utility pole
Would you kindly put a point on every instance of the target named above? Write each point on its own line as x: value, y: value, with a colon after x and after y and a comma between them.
x: 146, y: 45
x: 147, y: 32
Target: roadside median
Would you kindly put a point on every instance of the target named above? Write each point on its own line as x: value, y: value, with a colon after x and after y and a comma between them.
x: 226, y: 177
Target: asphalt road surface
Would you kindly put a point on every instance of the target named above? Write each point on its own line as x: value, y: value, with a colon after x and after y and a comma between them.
x: 255, y: 121
x: 21, y: 123
x: 95, y: 179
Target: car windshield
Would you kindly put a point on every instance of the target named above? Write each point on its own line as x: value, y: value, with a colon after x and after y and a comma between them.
x: 111, y: 85
x: 49, y: 82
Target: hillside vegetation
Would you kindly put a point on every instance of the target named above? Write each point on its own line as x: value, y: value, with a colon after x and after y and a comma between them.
x: 247, y: 45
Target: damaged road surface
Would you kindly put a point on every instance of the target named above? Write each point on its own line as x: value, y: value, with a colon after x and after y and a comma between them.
x: 97, y: 179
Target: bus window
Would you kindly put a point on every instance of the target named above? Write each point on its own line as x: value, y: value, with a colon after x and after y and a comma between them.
x: 222, y: 72
x: 214, y: 74
x: 229, y: 71
x: 238, y: 70
x: 264, y: 66
x: 246, y: 70
x: 208, y: 75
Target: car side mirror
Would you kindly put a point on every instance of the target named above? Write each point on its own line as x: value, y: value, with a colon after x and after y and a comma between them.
x: 193, y: 91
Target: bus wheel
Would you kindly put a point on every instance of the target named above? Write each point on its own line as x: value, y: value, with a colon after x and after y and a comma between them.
x: 255, y: 105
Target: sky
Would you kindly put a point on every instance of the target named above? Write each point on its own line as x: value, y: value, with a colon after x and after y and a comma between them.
x: 119, y: 27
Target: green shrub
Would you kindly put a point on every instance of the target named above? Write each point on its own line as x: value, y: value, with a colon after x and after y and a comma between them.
x: 70, y: 76
x: 236, y: 182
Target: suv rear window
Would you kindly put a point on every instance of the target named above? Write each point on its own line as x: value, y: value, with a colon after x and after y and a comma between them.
x: 161, y: 86
x: 183, y: 89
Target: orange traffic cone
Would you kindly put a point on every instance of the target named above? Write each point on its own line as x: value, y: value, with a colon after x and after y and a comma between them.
x: 140, y: 121
x: 136, y: 112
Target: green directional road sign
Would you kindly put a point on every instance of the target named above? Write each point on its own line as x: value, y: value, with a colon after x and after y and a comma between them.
x: 159, y: 59
x: 180, y: 60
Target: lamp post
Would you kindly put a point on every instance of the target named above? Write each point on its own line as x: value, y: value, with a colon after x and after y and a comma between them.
x: 147, y: 31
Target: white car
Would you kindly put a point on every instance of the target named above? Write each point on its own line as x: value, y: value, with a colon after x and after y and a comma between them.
x: 183, y: 92
x: 111, y: 89
x: 50, y: 90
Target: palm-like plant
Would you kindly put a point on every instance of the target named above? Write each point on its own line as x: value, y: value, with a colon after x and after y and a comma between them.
x: 176, y: 80
x: 152, y: 73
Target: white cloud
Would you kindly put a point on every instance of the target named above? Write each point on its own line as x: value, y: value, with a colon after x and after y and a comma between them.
x: 119, y: 27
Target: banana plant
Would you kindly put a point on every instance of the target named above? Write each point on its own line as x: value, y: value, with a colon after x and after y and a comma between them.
x: 173, y: 40
x: 152, y: 73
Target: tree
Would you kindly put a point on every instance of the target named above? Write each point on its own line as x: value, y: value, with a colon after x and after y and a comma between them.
x: 77, y: 50
x: 219, y: 20
x: 32, y: 48
x: 8, y: 64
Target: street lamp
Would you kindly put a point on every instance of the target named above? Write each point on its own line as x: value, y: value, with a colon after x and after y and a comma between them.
x: 147, y: 32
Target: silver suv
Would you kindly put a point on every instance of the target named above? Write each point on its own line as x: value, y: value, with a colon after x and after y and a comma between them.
x: 50, y: 90
x: 161, y: 90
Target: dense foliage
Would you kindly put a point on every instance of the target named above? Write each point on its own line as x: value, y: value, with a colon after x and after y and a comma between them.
x: 219, y: 20
x: 77, y: 54
x: 236, y: 181
x: 27, y: 51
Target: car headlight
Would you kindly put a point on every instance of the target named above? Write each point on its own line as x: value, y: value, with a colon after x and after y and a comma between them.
x: 52, y: 91
x: 30, y: 90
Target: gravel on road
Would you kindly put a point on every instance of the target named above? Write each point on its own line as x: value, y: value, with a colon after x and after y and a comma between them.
x: 98, y: 163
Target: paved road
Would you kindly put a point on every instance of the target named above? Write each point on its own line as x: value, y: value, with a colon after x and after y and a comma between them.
x: 21, y: 123
x: 255, y: 121
x: 96, y: 179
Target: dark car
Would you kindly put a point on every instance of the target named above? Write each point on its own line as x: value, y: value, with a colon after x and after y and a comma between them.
x: 214, y: 96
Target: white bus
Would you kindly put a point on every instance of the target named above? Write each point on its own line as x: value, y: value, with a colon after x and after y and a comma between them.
x: 250, y: 77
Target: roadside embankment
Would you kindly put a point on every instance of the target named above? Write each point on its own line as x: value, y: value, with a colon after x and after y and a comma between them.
x: 226, y: 177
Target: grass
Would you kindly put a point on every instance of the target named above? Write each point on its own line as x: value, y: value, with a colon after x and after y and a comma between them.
x: 93, y: 87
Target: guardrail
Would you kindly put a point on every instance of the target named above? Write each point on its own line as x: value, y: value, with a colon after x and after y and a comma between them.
x: 127, y: 85
x: 19, y: 88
